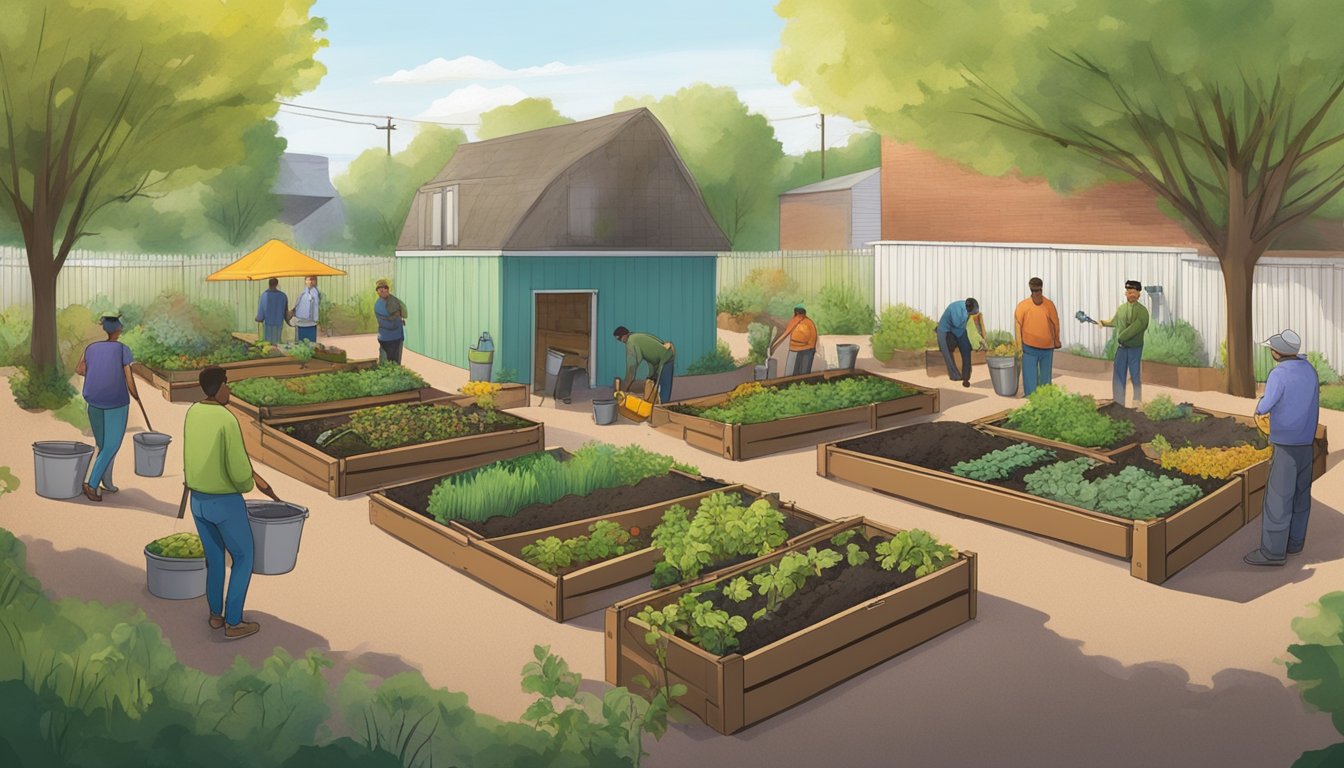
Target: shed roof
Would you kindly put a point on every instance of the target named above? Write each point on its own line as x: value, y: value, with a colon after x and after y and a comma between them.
x: 847, y: 181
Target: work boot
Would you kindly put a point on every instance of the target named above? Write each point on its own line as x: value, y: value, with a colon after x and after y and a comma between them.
x: 965, y: 382
x: 241, y: 629
x: 216, y: 621
x: 1293, y: 549
x: 91, y: 494
x: 1257, y: 556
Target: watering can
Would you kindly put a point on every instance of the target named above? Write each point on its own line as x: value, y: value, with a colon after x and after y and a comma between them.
x: 634, y: 407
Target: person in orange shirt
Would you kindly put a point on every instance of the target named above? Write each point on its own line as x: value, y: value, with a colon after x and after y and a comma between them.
x: 802, y: 335
x: 1037, y: 335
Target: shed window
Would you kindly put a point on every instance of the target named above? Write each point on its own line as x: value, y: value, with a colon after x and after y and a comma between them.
x: 436, y: 218
x: 442, y: 217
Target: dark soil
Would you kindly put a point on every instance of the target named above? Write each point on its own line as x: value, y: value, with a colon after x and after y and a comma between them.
x: 692, y: 411
x: 837, y: 589
x: 941, y: 444
x: 599, y: 503
x: 1210, y: 431
x: 352, y: 444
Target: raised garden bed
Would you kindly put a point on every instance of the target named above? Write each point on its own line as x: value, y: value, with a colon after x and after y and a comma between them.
x: 913, y: 463
x: 394, y: 385
x: 491, y: 551
x: 1157, y: 374
x: 747, y: 441
x: 508, y: 396
x: 349, y: 465
x: 184, y: 387
x: 1067, y: 361
x: 905, y: 359
x: 851, y: 619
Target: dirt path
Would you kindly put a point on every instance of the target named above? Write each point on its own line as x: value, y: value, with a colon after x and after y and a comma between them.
x: 1070, y: 662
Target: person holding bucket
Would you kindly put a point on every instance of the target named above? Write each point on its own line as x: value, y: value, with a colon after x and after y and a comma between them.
x: 802, y: 335
x: 109, y: 386
x: 218, y: 473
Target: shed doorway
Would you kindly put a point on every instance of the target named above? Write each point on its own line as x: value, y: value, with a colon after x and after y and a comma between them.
x: 565, y: 321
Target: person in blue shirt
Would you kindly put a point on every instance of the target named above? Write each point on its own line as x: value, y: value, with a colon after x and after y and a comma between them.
x: 952, y: 333
x: 271, y: 311
x: 391, y: 316
x: 1292, y: 402
x: 306, y: 310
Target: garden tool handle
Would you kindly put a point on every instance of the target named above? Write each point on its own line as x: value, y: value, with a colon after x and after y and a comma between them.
x: 144, y: 413
x: 182, y: 505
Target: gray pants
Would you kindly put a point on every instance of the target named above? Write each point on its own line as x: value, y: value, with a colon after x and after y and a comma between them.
x: 799, y: 362
x: 1287, y: 501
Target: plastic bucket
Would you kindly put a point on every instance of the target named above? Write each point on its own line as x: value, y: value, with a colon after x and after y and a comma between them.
x: 604, y: 411
x: 1003, y: 375
x: 151, y: 448
x: 174, y: 578
x: 768, y: 370
x: 847, y: 355
x: 277, y: 527
x: 60, y: 468
x: 479, y: 371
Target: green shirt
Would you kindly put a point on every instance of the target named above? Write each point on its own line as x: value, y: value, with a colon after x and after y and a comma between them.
x: 1131, y: 322
x: 647, y: 348
x: 213, y: 457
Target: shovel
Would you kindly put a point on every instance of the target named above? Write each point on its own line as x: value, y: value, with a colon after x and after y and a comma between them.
x: 1082, y: 317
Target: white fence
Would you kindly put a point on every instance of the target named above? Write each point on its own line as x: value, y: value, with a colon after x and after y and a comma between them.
x: 1306, y: 295
x: 812, y: 270
x: 135, y: 278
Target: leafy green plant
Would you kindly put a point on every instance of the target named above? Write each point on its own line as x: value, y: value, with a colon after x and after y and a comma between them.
x: 840, y: 309
x: 47, y: 391
x: 386, y: 379
x: 722, y: 529
x: 1163, y: 408
x: 999, y: 464
x: 605, y: 539
x: 76, y: 414
x: 803, y: 397
x: 392, y: 426
x: 711, y: 628
x: 302, y: 351
x: 352, y: 316
x: 1317, y: 669
x: 916, y: 549
x: 781, y: 580
x: 1175, y: 343
x: 506, y: 376
x: 719, y: 361
x: 1332, y: 397
x: 1131, y: 493
x: 731, y: 302
x: 1055, y: 414
x: 8, y: 482
x: 901, y: 327
x: 738, y: 590
x: 177, y: 545
x: 758, y: 341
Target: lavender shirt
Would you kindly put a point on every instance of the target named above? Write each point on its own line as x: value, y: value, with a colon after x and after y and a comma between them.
x: 1292, y: 400
x: 105, y: 377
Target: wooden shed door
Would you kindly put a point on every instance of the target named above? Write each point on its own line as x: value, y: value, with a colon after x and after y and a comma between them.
x: 564, y: 321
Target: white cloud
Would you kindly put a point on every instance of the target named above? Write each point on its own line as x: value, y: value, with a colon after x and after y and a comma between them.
x: 466, y: 104
x: 442, y: 70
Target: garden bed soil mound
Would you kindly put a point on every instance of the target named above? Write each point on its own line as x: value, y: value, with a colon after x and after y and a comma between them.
x: 837, y: 589
x: 352, y: 444
x: 693, y: 411
x: 941, y: 444
x: 567, y: 509
x: 1211, y: 431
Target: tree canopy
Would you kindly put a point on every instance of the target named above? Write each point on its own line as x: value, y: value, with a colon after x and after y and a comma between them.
x: 526, y: 115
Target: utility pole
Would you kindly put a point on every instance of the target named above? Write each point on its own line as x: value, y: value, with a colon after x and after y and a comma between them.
x: 823, y: 145
x: 389, y: 128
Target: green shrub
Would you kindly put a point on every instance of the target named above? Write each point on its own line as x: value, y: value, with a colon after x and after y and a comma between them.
x: 1176, y: 343
x: 718, y: 361
x: 841, y: 310
x: 178, y: 333
x: 722, y: 528
x: 47, y: 391
x: 16, y: 325
x: 1324, y: 371
x: 350, y: 317
x: 1332, y: 397
x: 1131, y: 493
x: 999, y: 464
x: 76, y: 414
x: 1163, y: 408
x: 996, y: 336
x: 803, y: 398
x: 901, y: 327
x: 1082, y: 351
x: 506, y: 376
x: 386, y: 379
x: 1316, y: 666
x: 1264, y: 363
x: 758, y: 337
x: 8, y: 483
x: 1055, y: 414
x: 730, y: 301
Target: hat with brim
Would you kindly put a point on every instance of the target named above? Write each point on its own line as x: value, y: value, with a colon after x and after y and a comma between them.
x: 1286, y: 343
x: 110, y: 321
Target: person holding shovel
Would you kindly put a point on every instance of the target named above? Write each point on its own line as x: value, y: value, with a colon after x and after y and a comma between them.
x: 646, y: 348
x: 109, y: 386
x: 802, y: 335
x: 218, y: 473
x: 952, y: 334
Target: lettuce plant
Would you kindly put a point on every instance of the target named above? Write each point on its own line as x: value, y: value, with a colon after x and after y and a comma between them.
x: 801, y: 398
x: 1163, y: 408
x: 999, y: 464
x: 916, y: 549
x: 722, y: 529
x: 711, y: 628
x: 1055, y: 414
x: 1131, y: 493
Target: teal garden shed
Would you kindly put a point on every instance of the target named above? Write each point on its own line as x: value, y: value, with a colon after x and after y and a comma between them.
x: 551, y: 239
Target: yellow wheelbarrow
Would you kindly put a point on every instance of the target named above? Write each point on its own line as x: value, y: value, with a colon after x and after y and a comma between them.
x: 635, y: 407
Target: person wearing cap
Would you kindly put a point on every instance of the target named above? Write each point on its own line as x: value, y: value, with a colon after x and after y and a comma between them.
x: 802, y: 335
x: 305, y: 311
x: 390, y: 313
x: 646, y: 348
x: 952, y: 333
x: 108, y: 389
x: 1292, y: 403
x: 1037, y: 335
x: 272, y: 308
x: 1130, y: 323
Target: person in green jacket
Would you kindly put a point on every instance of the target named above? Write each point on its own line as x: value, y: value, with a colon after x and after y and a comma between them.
x: 658, y: 354
x: 218, y: 473
x: 1130, y: 324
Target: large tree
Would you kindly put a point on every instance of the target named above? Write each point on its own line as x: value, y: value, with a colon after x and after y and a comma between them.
x: 377, y: 189
x: 1228, y: 110
x: 526, y: 115
x: 732, y: 153
x: 104, y: 101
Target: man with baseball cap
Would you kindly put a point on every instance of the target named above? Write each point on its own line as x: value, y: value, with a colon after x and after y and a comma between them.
x: 1292, y: 403
x: 1130, y: 323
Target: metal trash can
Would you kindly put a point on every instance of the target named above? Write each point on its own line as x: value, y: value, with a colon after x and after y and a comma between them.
x: 564, y: 382
x: 846, y: 356
x: 1003, y: 374
x: 555, y: 360
x: 481, y: 358
x: 768, y: 370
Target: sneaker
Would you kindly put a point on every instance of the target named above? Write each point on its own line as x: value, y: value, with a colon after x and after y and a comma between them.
x: 1257, y: 557
x: 109, y: 487
x: 241, y: 629
x: 216, y: 621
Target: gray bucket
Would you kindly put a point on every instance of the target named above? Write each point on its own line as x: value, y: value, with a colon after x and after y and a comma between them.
x: 846, y: 356
x: 767, y: 371
x: 479, y: 371
x: 277, y: 527
x: 174, y: 578
x: 1003, y: 374
x: 604, y: 412
x: 60, y: 468
x: 151, y: 448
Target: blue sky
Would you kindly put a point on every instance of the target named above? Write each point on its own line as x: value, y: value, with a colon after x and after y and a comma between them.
x: 450, y: 61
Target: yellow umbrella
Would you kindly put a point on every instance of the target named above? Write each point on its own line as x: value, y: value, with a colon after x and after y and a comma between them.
x: 274, y: 259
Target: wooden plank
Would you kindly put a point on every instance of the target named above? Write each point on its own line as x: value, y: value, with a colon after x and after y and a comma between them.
x: 1196, y: 517
x: 1205, y: 541
x: 1150, y: 551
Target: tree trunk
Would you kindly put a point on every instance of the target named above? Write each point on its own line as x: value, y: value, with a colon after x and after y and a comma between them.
x: 42, y: 271
x: 1238, y: 267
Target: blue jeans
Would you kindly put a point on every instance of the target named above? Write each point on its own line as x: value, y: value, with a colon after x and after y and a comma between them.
x: 109, y: 429
x: 272, y: 333
x: 946, y: 341
x: 390, y: 350
x: 1127, y: 360
x: 1037, y: 366
x: 221, y: 520
x: 1287, y: 501
x: 665, y: 381
x: 305, y: 333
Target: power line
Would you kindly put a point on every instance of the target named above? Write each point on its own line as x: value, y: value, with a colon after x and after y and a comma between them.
x: 365, y: 114
x: 332, y: 119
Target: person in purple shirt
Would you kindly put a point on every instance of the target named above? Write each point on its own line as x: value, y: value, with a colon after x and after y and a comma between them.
x: 1292, y: 401
x: 108, y: 389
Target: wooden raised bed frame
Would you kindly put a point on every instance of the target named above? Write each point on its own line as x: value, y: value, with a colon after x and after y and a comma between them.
x: 1195, y: 379
x: 250, y: 417
x: 498, y: 562
x: 747, y: 441
x: 1156, y: 549
x: 394, y: 466
x: 735, y: 691
x: 184, y: 386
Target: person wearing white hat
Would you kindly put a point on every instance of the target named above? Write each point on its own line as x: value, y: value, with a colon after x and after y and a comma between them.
x: 1292, y: 403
